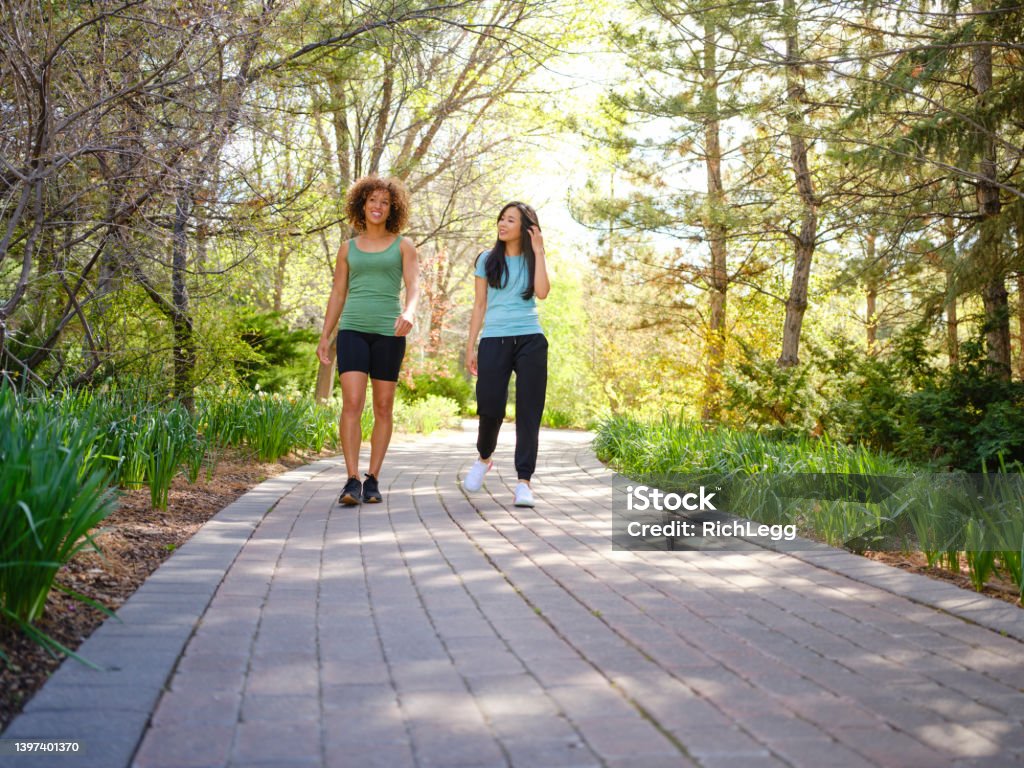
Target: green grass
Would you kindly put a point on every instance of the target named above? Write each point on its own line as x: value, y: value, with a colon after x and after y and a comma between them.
x: 674, y: 445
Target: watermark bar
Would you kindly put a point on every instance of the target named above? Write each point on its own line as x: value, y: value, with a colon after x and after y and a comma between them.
x: 937, y: 512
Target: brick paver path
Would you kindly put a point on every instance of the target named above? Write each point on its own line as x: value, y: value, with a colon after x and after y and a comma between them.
x: 438, y: 629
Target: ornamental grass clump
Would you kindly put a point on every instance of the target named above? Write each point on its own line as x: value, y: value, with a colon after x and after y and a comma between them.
x: 171, y: 434
x: 274, y: 425
x: 321, y: 426
x: 53, y: 492
x: 677, y: 445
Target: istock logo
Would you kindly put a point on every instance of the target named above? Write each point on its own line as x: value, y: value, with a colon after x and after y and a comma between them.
x: 640, y: 498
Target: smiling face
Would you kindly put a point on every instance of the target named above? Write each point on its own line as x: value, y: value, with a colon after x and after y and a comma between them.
x: 510, y: 226
x: 377, y: 207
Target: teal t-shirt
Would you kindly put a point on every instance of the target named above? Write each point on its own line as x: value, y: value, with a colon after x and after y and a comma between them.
x: 374, y: 284
x: 508, y: 313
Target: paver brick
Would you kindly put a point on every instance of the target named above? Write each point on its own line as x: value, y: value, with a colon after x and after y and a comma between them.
x: 277, y: 742
x: 181, y: 745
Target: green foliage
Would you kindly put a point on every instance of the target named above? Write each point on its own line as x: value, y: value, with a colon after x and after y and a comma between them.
x: 782, y: 400
x: 426, y: 415
x: 678, y: 445
x: 963, y: 417
x: 451, y: 386
x: 273, y: 425
x: 276, y: 353
x: 556, y: 419
x: 170, y: 436
x: 53, y: 491
x: 421, y: 415
x: 366, y: 423
x: 967, y: 417
x: 575, y: 383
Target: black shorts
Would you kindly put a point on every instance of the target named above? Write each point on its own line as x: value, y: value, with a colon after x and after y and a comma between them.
x: 374, y: 353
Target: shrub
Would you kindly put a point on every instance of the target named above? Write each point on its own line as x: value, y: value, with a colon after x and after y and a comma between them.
x: 450, y: 386
x: 275, y: 355
x: 426, y: 415
x: 762, y: 395
x: 557, y: 419
x: 962, y: 417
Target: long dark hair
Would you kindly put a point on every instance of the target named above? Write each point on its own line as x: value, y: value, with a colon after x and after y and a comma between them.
x: 496, y: 267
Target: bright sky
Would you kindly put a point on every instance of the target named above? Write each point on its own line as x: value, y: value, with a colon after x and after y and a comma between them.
x: 576, y: 80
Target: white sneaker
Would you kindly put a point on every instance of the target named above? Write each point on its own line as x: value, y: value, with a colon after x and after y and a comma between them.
x: 475, y: 477
x: 524, y: 496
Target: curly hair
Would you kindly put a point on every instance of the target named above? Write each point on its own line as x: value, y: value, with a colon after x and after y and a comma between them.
x: 355, y: 202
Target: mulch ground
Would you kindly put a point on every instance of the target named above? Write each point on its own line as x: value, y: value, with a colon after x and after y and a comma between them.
x: 136, y: 539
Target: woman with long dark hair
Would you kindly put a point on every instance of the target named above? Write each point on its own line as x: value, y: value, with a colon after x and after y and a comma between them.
x: 510, y: 277
x: 368, y: 277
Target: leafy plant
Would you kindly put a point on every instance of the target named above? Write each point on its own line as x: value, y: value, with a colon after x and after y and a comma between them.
x: 426, y: 415
x: 272, y: 350
x: 273, y: 425
x: 171, y: 434
x: 557, y: 419
x: 423, y: 385
x: 52, y: 494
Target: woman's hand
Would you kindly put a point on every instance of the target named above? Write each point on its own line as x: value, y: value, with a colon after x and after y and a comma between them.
x: 536, y: 239
x: 471, y: 360
x: 323, y: 351
x: 403, y: 324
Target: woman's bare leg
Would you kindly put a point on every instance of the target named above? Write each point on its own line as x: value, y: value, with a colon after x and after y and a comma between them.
x: 383, y: 422
x: 353, y: 398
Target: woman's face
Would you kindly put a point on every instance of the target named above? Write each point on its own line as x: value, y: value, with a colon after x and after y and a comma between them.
x: 510, y: 225
x: 377, y: 207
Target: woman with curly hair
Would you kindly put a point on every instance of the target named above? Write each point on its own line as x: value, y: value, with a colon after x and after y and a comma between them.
x: 509, y: 279
x: 368, y: 277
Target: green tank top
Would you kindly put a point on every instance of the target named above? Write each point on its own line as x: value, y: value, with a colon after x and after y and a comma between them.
x: 374, y: 283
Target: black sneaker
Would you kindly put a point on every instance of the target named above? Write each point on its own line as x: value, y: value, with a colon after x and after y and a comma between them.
x: 371, y: 491
x: 353, y: 490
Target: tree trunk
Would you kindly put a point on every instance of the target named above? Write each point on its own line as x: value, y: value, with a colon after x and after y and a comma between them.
x: 718, y: 281
x: 952, y: 333
x: 997, y: 324
x: 871, y: 294
x: 184, y: 349
x: 952, y: 320
x: 434, y: 281
x: 194, y: 187
x: 380, y: 131
x: 872, y: 317
x: 343, y: 135
x: 994, y: 294
x: 805, y: 241
x: 1020, y: 315
x: 280, y: 273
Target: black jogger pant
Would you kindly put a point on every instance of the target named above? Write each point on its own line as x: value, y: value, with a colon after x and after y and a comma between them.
x: 497, y: 358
